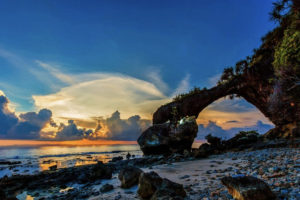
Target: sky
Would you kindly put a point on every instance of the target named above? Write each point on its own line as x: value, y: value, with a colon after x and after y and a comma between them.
x: 72, y: 69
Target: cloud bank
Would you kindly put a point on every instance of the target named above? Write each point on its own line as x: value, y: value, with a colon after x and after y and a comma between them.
x: 84, y: 107
x: 215, y: 130
x: 116, y: 128
x: 100, y: 94
x: 24, y: 126
x: 40, y: 125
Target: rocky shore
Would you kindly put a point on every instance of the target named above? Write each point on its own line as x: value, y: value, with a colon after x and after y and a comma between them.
x: 195, y: 177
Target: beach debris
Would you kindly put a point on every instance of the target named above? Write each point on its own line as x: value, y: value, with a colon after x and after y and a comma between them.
x: 243, y: 187
x: 129, y: 176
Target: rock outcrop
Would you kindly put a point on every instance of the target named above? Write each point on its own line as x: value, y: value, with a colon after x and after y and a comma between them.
x: 152, y: 186
x: 215, y: 145
x: 10, y: 186
x: 168, y: 138
x: 244, y: 86
x: 129, y: 176
x: 269, y: 79
x: 248, y: 188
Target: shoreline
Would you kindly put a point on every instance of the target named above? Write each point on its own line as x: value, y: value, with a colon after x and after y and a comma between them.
x: 279, y: 167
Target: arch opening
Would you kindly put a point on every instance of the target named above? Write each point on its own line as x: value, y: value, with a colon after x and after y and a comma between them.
x: 225, y: 117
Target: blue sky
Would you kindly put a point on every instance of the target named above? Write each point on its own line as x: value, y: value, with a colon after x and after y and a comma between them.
x: 54, y: 46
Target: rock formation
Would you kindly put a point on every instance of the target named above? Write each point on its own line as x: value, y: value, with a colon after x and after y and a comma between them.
x: 151, y: 185
x: 129, y: 176
x: 269, y: 79
x: 168, y: 137
x: 248, y: 188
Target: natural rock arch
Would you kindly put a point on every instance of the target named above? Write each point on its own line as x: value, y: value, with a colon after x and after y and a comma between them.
x: 254, y: 87
x: 194, y: 104
x: 269, y: 80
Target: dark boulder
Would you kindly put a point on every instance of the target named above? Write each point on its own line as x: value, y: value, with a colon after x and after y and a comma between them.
x: 168, y: 138
x: 214, y: 141
x: 148, y: 184
x: 203, y: 151
x: 100, y: 171
x: 115, y: 159
x: 53, y: 168
x: 151, y: 185
x: 129, y: 176
x: 164, y: 194
x: 106, y: 188
x: 2, y: 194
x: 173, y: 189
x: 248, y: 188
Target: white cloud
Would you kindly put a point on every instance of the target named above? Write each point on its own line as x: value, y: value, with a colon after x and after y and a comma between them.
x: 212, y: 81
x: 101, y: 94
x: 183, y: 86
x: 2, y: 93
x: 56, y: 72
x: 218, y: 131
x: 221, y: 118
x: 155, y: 78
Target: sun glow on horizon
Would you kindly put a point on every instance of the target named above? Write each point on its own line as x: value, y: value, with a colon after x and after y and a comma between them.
x: 83, y: 142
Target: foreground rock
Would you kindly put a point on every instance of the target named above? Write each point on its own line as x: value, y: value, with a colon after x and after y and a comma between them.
x: 106, y: 188
x: 129, y: 176
x: 47, y: 179
x: 168, y: 138
x: 151, y: 185
x: 248, y: 188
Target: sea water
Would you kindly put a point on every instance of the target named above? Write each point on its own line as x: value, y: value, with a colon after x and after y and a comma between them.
x: 33, y: 159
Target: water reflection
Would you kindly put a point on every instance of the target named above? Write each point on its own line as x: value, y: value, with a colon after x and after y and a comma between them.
x: 71, y: 161
x: 40, y: 158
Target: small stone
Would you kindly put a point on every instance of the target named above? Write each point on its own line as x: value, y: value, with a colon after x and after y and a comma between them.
x: 53, y: 168
x: 184, y: 177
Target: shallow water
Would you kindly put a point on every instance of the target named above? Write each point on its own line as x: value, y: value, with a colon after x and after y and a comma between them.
x: 38, y: 158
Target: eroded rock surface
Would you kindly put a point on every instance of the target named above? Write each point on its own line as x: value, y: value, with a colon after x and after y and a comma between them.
x: 167, y: 138
x: 152, y: 186
x: 46, y: 179
x: 248, y: 188
x: 129, y: 176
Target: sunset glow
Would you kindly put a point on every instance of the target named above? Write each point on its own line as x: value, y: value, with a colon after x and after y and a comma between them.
x: 83, y: 142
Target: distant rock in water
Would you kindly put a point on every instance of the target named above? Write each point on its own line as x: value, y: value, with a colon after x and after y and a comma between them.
x: 168, y: 138
x: 248, y: 188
